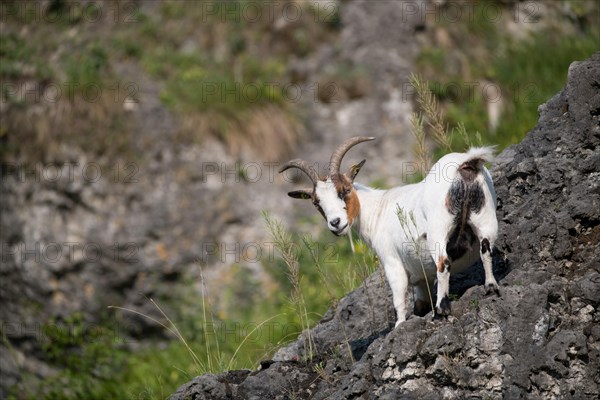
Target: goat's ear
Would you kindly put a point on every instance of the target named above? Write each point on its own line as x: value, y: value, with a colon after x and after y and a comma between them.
x: 301, y: 194
x: 354, y: 170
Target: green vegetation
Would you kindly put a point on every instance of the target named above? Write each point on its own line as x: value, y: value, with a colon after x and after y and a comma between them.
x: 529, y: 77
x: 16, y: 51
x: 87, y: 66
x: 485, y: 64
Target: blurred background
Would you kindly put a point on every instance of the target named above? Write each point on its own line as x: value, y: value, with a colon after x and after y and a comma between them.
x: 140, y: 143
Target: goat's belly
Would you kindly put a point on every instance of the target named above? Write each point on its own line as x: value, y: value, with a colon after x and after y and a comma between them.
x: 419, y: 265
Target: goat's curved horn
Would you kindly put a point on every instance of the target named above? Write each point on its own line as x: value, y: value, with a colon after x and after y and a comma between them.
x: 338, y: 154
x: 302, y: 166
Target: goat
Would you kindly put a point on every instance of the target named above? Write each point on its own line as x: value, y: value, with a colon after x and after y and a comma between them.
x: 453, y: 209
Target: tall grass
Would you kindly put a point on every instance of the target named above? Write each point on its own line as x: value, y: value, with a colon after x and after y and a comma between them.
x: 284, y: 244
x: 430, y: 114
x: 434, y: 119
x: 429, y: 122
x: 333, y: 266
x: 310, y: 244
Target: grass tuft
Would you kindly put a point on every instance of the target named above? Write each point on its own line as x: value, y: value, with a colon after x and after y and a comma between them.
x: 288, y: 250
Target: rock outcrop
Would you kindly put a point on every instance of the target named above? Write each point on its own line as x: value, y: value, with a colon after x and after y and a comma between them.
x: 540, y: 339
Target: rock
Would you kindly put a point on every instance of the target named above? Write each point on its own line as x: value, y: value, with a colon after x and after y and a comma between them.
x: 539, y: 340
x: 205, y: 387
x: 354, y: 319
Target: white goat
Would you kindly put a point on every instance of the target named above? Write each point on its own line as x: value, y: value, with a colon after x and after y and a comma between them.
x: 454, y: 213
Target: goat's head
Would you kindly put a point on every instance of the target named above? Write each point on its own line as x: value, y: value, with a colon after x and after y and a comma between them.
x: 334, y: 196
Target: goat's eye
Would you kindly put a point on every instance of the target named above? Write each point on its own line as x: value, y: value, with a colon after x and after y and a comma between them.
x: 343, y: 194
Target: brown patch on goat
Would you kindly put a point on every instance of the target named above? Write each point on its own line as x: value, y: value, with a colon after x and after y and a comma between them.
x: 442, y: 263
x: 352, y: 206
x: 343, y: 185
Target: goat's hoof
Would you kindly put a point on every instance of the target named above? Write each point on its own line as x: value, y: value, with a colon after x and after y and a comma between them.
x: 443, y: 309
x: 492, y: 287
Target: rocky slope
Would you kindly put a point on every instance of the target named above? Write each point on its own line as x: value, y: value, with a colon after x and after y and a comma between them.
x: 540, y: 339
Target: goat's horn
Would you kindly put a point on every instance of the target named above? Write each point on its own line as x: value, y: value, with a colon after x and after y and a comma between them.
x: 302, y: 166
x: 338, y: 154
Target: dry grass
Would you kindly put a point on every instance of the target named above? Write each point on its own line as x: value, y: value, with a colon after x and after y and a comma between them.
x: 283, y: 242
x: 430, y: 120
x: 421, y: 151
x: 433, y: 115
x: 268, y: 130
x: 98, y: 127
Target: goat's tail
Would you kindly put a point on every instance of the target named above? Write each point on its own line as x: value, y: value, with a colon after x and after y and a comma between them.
x: 473, y: 161
x: 466, y: 197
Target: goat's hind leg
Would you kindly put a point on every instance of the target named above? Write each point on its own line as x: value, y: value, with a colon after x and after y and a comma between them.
x: 486, y: 258
x: 398, y: 280
x: 423, y: 298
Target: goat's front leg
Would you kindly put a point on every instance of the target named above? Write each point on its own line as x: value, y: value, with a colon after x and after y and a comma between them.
x: 398, y: 280
x: 442, y: 306
x: 486, y: 257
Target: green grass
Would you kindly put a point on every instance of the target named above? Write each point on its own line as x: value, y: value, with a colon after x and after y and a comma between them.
x: 527, y: 77
x: 525, y: 73
x: 16, y: 52
x: 77, y: 67
x: 530, y: 77
x: 88, y: 66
